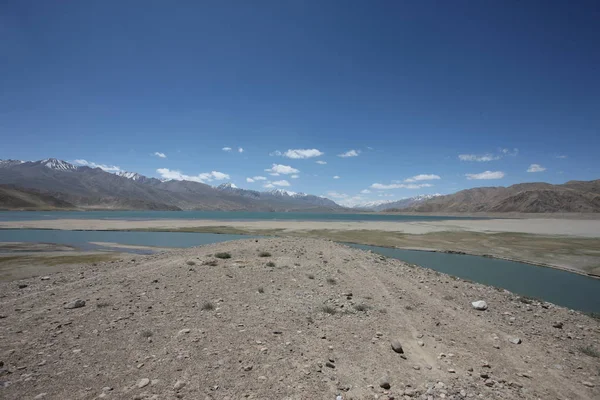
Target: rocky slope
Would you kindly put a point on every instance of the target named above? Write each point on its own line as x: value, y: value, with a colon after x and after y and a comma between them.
x: 309, y: 319
x: 13, y: 198
x: 573, y: 196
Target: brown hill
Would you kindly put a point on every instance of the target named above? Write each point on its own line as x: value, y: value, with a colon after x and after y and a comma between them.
x: 537, y: 197
x: 13, y: 198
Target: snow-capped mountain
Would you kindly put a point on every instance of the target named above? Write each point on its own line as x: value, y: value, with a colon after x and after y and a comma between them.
x: 283, y: 192
x: 380, y: 205
x: 57, y: 164
x: 9, y: 163
x: 134, y: 176
x: 88, y: 187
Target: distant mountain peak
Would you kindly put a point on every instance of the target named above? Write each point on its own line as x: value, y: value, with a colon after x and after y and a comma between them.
x: 228, y: 185
x: 134, y: 176
x: 10, y: 163
x: 59, y: 165
x: 283, y: 192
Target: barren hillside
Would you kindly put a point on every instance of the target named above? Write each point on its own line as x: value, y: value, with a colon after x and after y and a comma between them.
x: 285, y: 319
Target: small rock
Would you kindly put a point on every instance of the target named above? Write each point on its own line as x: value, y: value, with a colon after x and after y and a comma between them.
x: 183, y: 331
x: 515, y: 341
x: 40, y: 396
x: 416, y: 367
x: 143, y: 383
x: 329, y: 365
x: 480, y: 305
x: 178, y: 385
x: 45, y: 278
x: 558, y: 325
x: 22, y: 285
x: 107, y: 389
x: 484, y: 375
x: 588, y: 384
x: 384, y: 383
x: 451, y: 370
x: 75, y: 304
x: 397, y: 346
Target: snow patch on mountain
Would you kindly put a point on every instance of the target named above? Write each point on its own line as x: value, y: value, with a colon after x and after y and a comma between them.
x: 58, y: 165
x: 134, y: 176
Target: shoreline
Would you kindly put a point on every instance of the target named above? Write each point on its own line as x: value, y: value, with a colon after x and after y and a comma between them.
x: 225, y: 231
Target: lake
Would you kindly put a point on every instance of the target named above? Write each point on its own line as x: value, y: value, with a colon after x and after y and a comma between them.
x: 215, y: 215
x: 556, y: 286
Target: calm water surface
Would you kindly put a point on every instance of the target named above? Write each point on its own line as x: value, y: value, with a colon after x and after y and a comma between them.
x: 560, y: 287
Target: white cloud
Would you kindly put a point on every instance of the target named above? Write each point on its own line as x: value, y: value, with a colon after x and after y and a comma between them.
x: 277, y: 169
x: 422, y: 177
x: 350, y: 153
x: 268, y: 185
x: 486, y: 175
x: 259, y: 178
x: 300, y: 153
x: 562, y: 157
x: 281, y: 183
x: 321, y: 162
x: 336, y: 177
x: 240, y: 150
x: 382, y: 186
x: 233, y: 185
x: 250, y: 180
x: 226, y: 149
x: 159, y: 154
x: 295, y: 176
x: 365, y: 191
x: 203, y: 177
x: 509, y: 152
x: 107, y: 168
x: 474, y: 157
x: 337, y: 195
x: 276, y: 153
x: 536, y: 168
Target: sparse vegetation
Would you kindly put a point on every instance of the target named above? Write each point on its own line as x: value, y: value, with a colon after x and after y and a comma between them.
x: 223, y: 255
x: 271, y: 264
x: 331, y: 281
x: 212, y: 263
x: 589, y: 351
x: 190, y: 263
x: 408, y: 307
x: 102, y: 304
x: 527, y: 299
x: 595, y: 315
x: 208, y: 306
x: 146, y: 333
x: 361, y: 307
x: 328, y: 310
x: 264, y: 254
x: 261, y: 290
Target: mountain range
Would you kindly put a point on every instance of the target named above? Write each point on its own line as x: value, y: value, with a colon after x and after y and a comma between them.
x: 537, y: 197
x: 382, y: 205
x: 53, y: 183
x: 56, y: 184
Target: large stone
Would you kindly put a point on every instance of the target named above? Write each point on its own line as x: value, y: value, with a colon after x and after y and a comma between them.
x: 515, y: 340
x: 397, y: 346
x: 480, y: 305
x: 75, y: 304
x: 385, y: 383
x: 143, y: 383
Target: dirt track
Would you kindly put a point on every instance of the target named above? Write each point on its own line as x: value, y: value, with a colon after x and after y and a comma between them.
x: 303, y: 337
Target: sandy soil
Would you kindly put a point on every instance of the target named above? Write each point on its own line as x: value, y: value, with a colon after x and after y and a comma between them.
x: 583, y: 228
x: 316, y: 323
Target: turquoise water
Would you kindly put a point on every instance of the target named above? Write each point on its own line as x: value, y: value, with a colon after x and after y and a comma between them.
x: 560, y: 287
x: 567, y: 289
x: 214, y: 215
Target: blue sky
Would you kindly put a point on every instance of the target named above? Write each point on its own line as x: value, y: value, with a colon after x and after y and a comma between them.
x: 409, y: 86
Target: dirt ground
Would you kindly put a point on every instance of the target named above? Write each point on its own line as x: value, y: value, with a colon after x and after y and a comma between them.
x: 287, y: 318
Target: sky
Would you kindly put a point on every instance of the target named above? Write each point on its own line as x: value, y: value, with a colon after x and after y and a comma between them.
x: 353, y: 100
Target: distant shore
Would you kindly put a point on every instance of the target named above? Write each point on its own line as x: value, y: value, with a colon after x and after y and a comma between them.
x: 570, y: 245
